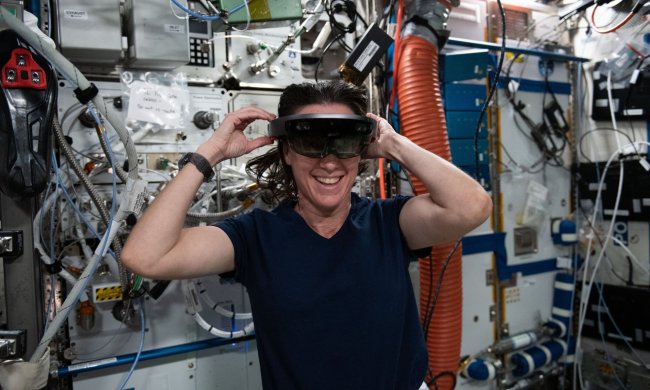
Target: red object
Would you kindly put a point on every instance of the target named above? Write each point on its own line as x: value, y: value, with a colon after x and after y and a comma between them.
x: 21, y: 71
x: 423, y: 121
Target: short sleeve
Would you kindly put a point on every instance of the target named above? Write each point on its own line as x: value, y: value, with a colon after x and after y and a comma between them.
x: 238, y: 229
x: 400, y: 201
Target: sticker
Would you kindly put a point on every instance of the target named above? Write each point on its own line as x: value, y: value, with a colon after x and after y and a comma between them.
x: 366, y: 56
x: 75, y: 14
x: 175, y: 28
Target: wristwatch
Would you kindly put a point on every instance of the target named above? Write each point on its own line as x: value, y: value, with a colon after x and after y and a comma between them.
x: 199, y: 162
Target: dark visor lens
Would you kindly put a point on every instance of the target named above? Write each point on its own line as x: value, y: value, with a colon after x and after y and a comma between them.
x: 317, y: 135
x: 320, y: 145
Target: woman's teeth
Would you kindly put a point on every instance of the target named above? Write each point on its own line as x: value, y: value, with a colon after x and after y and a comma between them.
x: 328, y: 180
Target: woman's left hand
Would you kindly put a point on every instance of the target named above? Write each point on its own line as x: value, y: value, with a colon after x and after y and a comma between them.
x: 381, y: 145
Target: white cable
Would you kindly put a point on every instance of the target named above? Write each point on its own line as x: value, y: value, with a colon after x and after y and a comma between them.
x: 250, y: 328
x: 586, y: 288
x: 76, y: 291
x: 194, y: 307
x: 248, y: 16
x: 218, y: 309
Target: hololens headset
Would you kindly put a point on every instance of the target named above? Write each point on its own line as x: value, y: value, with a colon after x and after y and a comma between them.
x: 317, y: 135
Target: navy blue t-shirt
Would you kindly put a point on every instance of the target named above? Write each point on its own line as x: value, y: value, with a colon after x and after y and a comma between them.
x: 335, y: 313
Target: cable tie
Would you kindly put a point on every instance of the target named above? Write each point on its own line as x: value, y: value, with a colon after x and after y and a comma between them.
x: 55, y: 267
x: 86, y: 95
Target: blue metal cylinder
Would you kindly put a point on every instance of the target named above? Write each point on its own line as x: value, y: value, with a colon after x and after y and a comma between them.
x: 480, y: 370
x: 533, y: 358
x: 563, y: 291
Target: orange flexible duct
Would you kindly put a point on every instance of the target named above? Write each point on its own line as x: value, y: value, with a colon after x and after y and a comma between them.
x: 423, y: 121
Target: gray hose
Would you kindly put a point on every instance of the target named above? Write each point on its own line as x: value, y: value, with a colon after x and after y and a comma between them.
x: 221, y: 215
x: 94, y: 195
x: 121, y: 174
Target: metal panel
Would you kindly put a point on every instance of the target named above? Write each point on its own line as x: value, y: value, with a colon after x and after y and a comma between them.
x: 22, y: 275
x: 462, y: 124
x: 213, y: 100
x: 529, y: 303
x: 464, y: 65
x: 478, y: 327
x: 464, y: 96
x: 514, y: 180
x: 157, y: 39
x: 89, y: 32
x: 462, y: 151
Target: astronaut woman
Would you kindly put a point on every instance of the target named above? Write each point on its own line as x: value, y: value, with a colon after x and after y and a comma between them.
x: 326, y: 270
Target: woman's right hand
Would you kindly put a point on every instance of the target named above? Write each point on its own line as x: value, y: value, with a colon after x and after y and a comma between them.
x: 229, y: 141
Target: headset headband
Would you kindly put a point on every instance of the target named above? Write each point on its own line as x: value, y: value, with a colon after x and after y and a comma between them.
x: 337, y: 124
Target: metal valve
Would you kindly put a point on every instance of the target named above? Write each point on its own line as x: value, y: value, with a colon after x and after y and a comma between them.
x: 203, y: 119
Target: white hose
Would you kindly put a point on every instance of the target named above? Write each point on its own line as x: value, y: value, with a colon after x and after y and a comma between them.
x: 76, y: 292
x: 250, y: 328
x: 218, y: 309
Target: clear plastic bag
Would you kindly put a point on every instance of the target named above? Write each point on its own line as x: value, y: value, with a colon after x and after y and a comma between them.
x: 156, y: 101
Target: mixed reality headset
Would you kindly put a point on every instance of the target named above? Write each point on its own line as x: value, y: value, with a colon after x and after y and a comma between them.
x: 317, y: 135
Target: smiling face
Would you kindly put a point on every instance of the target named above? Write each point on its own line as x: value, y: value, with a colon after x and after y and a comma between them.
x: 323, y: 184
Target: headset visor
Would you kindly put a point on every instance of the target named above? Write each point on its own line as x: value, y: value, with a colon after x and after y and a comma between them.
x: 317, y: 135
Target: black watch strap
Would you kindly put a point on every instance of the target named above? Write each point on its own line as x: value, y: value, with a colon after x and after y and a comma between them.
x: 200, y: 162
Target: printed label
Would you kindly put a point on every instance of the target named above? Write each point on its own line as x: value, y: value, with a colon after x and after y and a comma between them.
x: 75, y: 14
x: 175, y: 28
x: 366, y: 56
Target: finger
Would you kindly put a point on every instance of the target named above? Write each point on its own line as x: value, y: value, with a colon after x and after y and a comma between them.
x: 253, y: 112
x: 241, y: 118
x: 373, y: 116
x: 258, y: 143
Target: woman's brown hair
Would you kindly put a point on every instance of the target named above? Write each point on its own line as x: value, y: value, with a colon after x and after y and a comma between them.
x: 270, y: 170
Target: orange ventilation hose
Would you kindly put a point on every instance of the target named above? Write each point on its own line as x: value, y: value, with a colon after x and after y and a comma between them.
x: 423, y: 121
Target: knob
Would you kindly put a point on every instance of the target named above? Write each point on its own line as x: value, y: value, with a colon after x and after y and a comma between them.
x: 203, y: 119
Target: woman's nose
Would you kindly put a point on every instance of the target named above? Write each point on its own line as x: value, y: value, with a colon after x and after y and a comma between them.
x: 330, y: 160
